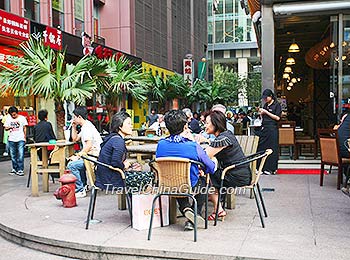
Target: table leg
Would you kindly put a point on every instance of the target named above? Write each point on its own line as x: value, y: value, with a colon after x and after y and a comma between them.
x: 61, y: 154
x: 172, y: 210
x: 34, y: 174
x: 45, y: 166
x: 230, y: 201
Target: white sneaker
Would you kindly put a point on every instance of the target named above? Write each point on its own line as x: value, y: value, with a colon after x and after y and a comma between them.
x: 80, y: 194
x: 5, y: 154
x: 20, y: 173
x: 12, y: 172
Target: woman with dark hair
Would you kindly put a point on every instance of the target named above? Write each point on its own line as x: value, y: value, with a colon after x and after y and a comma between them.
x: 268, y: 136
x: 226, y: 149
x: 113, y: 152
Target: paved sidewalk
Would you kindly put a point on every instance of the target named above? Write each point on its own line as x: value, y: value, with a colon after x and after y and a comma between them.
x: 305, y: 221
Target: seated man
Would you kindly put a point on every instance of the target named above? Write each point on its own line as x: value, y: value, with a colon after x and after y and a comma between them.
x: 158, y: 125
x: 180, y: 144
x: 91, y: 141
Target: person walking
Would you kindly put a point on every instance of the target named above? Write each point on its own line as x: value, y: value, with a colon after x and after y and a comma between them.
x: 268, y: 136
x: 16, y: 125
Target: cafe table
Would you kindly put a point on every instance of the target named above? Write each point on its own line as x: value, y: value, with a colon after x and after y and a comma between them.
x: 143, y: 149
x: 62, y: 150
x: 145, y: 139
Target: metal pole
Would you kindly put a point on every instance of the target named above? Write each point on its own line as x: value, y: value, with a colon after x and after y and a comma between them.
x: 213, y: 51
x: 340, y: 64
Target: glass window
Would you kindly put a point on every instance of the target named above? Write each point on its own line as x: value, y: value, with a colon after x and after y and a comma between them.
x: 219, y: 31
x: 5, y: 5
x: 32, y: 10
x: 58, y: 14
x: 79, y: 16
x: 229, y: 6
x: 228, y: 30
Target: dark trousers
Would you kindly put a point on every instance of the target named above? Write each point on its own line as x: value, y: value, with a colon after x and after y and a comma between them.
x: 185, y: 202
x: 268, y: 139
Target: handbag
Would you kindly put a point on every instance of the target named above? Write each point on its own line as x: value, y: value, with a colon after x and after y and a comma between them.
x: 138, y: 180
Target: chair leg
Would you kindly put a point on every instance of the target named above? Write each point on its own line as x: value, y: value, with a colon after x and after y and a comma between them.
x: 160, y: 211
x: 261, y: 200
x: 321, y: 174
x: 258, y: 206
x: 152, y: 215
x: 206, y: 208
x: 90, y: 207
x: 94, y: 204
x: 128, y: 201
x: 340, y: 176
x: 195, y: 218
x: 218, y: 203
x: 315, y: 150
x: 29, y: 175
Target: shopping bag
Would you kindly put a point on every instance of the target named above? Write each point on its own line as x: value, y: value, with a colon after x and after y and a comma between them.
x: 141, y: 211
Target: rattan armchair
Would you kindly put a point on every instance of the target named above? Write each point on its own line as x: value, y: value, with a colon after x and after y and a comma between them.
x: 254, y: 184
x: 173, y: 175
x: 90, y: 162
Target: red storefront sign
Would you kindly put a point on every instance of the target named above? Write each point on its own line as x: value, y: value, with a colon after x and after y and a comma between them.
x: 53, y: 38
x: 14, y: 26
x: 6, y: 53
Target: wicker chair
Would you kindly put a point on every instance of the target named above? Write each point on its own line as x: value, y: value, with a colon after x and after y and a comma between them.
x: 174, y: 175
x: 254, y: 184
x: 286, y: 132
x: 90, y: 162
x: 330, y: 154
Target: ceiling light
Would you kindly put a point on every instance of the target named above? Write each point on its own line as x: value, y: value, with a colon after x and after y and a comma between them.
x: 325, y: 63
x: 294, y: 80
x: 332, y: 45
x: 287, y: 69
x: 344, y: 44
x: 285, y: 76
x: 290, y: 61
x: 298, y: 79
x: 294, y: 47
x: 289, y: 88
x: 290, y: 84
x: 343, y: 57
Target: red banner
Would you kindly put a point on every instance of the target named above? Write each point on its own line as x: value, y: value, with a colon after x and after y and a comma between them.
x: 6, y: 52
x: 14, y: 26
x: 53, y: 38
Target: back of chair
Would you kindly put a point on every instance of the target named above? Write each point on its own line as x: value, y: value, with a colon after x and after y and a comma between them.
x: 54, y: 156
x: 174, y: 173
x: 261, y: 166
x: 329, y: 145
x: 249, y: 145
x: 238, y: 128
x: 90, y: 171
x: 286, y: 131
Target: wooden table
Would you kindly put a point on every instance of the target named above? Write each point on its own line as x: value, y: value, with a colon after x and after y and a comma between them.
x: 64, y: 149
x: 143, y: 149
x: 146, y: 139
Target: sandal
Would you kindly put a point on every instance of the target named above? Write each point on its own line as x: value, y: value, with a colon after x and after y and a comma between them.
x: 221, y: 215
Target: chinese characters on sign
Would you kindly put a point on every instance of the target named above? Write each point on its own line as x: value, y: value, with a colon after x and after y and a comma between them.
x: 6, y: 53
x: 188, y: 71
x: 14, y: 26
x: 53, y: 38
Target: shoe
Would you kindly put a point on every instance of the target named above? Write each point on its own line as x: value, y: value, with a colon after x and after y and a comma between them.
x: 188, y: 226
x: 80, y: 194
x: 20, y: 173
x: 12, y: 172
x: 345, y: 191
x: 189, y: 214
x: 267, y: 173
x: 5, y: 154
x: 221, y: 216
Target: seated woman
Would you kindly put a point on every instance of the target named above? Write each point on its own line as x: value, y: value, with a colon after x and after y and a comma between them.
x: 227, y: 151
x: 113, y: 152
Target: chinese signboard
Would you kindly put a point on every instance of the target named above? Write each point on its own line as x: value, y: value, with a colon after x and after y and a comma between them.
x: 14, y: 26
x: 53, y: 38
x: 188, y: 71
x: 5, y: 55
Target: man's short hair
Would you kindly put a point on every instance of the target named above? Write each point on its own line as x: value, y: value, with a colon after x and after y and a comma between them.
x: 175, y: 120
x: 12, y: 110
x: 42, y: 114
x: 219, y: 107
x: 81, y: 111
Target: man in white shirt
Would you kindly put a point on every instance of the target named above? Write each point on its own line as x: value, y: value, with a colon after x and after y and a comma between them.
x: 16, y: 125
x: 91, y: 140
x: 158, y: 125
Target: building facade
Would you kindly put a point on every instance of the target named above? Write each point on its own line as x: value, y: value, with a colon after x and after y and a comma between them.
x: 231, y: 37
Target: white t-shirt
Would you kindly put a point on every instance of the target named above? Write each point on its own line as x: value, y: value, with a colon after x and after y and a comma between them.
x: 16, y: 134
x: 89, y: 132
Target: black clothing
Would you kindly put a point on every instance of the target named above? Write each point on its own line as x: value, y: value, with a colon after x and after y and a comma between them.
x: 194, y: 126
x: 43, y: 132
x: 152, y: 119
x: 268, y: 136
x: 343, y: 135
x: 232, y: 154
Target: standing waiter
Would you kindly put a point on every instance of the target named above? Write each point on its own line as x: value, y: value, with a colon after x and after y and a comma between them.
x: 268, y: 137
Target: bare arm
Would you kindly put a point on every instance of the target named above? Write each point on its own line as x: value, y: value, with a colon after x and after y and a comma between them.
x: 75, y: 136
x: 264, y: 111
x: 211, y: 151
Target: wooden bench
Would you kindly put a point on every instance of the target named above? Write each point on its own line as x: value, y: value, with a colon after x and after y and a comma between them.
x: 249, y: 145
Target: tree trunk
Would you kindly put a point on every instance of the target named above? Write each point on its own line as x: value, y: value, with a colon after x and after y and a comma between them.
x: 60, y: 119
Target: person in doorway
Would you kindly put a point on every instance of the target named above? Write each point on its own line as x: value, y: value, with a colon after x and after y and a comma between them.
x: 268, y: 136
x: 91, y: 141
x: 16, y: 125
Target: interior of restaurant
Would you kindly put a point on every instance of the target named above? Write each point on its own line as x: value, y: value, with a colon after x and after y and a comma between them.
x: 307, y: 67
